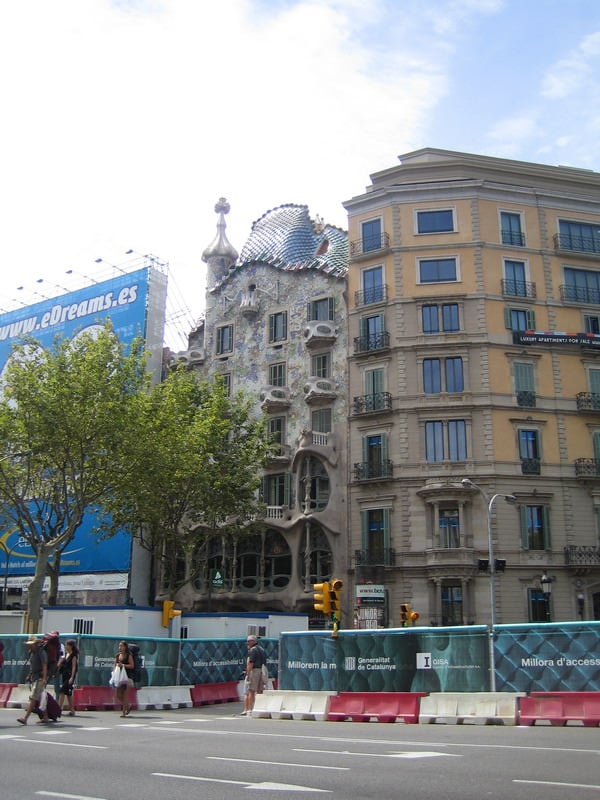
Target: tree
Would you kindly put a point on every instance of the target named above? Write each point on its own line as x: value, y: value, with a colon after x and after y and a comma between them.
x: 193, y: 470
x: 64, y: 413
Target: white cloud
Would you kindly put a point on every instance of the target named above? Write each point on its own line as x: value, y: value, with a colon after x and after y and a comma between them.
x: 572, y: 73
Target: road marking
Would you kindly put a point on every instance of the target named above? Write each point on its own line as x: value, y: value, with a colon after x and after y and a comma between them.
x: 565, y: 785
x: 274, y: 763
x: 61, y: 744
x: 264, y: 786
x: 403, y: 754
x: 69, y: 796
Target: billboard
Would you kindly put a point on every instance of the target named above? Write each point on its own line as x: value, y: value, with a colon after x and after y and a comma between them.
x: 135, y: 304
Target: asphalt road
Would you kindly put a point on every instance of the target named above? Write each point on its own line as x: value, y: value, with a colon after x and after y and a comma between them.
x: 213, y: 753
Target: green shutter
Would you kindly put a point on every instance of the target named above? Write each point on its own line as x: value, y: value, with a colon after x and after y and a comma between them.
x: 386, y: 528
x: 287, y: 486
x: 524, y: 531
x: 523, y: 377
x: 508, y: 318
x: 364, y: 526
x: 331, y: 301
x: 530, y: 319
x: 546, y: 521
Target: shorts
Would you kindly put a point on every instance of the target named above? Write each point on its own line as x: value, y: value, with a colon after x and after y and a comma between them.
x: 36, y: 690
x: 255, y: 680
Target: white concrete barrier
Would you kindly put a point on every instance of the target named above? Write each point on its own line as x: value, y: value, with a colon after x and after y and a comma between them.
x: 164, y: 697
x: 19, y: 696
x: 279, y: 704
x: 457, y: 708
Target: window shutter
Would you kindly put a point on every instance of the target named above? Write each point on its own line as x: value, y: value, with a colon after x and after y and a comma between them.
x: 386, y: 528
x: 287, y: 487
x: 331, y: 302
x: 530, y: 319
x: 546, y: 521
x: 524, y: 377
x: 364, y: 525
x: 524, y: 531
x: 508, y: 318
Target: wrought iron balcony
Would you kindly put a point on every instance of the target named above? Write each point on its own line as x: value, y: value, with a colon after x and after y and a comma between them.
x: 580, y: 294
x: 526, y: 399
x: 511, y: 288
x: 530, y: 466
x: 369, y: 244
x: 368, y: 471
x: 587, y: 468
x: 376, y: 294
x: 582, y: 555
x: 380, y: 401
x: 376, y: 557
x: 577, y: 243
x: 372, y: 342
x: 587, y: 401
x: 513, y: 238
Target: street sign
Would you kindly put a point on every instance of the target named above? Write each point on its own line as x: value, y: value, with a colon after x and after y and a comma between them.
x: 217, y: 579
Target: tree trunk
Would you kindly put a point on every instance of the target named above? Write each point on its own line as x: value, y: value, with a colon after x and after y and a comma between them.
x: 36, y: 587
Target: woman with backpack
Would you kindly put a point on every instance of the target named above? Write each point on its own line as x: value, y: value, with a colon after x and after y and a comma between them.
x: 124, y: 658
x: 68, y: 670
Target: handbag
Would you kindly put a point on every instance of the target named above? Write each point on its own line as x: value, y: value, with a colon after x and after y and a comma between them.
x: 118, y: 676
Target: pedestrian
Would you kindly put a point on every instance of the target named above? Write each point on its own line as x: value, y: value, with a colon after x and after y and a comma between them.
x: 124, y: 659
x: 38, y: 676
x: 68, y: 671
x: 254, y: 676
x: 61, y: 656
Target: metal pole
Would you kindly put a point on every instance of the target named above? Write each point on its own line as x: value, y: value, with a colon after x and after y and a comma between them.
x: 492, y: 568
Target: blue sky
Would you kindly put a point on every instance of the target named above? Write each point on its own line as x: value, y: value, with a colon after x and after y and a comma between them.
x: 125, y: 121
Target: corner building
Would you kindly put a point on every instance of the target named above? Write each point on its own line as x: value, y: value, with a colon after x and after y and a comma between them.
x: 275, y: 328
x: 474, y: 353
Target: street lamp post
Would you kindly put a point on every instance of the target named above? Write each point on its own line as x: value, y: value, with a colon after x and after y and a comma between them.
x: 546, y: 584
x: 510, y: 498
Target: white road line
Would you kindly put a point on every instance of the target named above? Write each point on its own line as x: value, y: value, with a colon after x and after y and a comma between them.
x: 274, y: 763
x: 265, y: 785
x: 61, y: 744
x: 403, y: 754
x: 596, y: 787
x: 69, y: 796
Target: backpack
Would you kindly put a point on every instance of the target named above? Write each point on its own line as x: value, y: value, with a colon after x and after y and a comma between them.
x: 138, y: 663
x: 51, y: 644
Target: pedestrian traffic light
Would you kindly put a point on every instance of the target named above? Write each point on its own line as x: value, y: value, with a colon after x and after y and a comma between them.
x: 405, y: 614
x: 322, y: 600
x: 335, y: 598
x: 168, y: 612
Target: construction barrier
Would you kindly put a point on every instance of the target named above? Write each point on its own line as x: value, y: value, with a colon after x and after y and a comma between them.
x: 203, y: 694
x: 483, y: 708
x: 559, y: 708
x: 164, y: 697
x: 292, y: 705
x: 5, y: 692
x: 381, y: 706
x: 100, y: 698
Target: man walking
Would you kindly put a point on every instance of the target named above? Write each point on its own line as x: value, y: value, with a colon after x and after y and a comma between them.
x: 38, y: 676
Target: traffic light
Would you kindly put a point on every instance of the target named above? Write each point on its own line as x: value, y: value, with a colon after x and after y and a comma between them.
x: 322, y: 600
x: 405, y: 614
x: 414, y: 616
x: 335, y: 598
x: 168, y: 612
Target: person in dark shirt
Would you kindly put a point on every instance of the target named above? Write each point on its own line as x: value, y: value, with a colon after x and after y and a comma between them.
x: 38, y: 676
x: 254, y: 663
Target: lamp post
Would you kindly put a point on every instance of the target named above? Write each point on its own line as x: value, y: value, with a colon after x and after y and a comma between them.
x: 467, y: 483
x: 546, y: 583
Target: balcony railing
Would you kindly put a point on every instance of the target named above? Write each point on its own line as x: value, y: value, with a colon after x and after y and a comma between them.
x: 577, y: 243
x: 380, y: 401
x: 512, y: 288
x: 372, y: 342
x: 580, y: 294
x: 376, y: 294
x: 513, y: 238
x: 367, y: 471
x: 587, y: 401
x: 369, y: 244
x: 582, y: 555
x: 587, y: 468
x: 526, y: 399
x: 380, y: 557
x: 530, y: 466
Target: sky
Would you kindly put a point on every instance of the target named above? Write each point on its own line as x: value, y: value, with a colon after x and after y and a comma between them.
x: 124, y: 121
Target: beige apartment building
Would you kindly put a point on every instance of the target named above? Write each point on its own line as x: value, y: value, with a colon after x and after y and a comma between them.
x: 474, y: 392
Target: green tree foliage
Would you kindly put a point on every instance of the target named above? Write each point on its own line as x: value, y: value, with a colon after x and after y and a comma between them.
x: 192, y: 470
x: 65, y: 412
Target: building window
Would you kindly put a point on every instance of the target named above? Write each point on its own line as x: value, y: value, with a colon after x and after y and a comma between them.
x: 537, y: 606
x: 452, y: 603
x: 515, y: 278
x: 226, y: 379
x: 582, y: 286
x: 321, y: 365
x: 519, y: 319
x: 276, y: 489
x: 511, y: 229
x: 437, y: 270
x: 591, y: 323
x: 581, y: 236
x: 372, y: 333
x: 442, y: 375
x: 442, y: 317
x: 277, y: 431
x: 322, y: 309
x: 535, y: 527
x: 373, y: 289
x: 524, y: 378
x: 277, y: 374
x: 449, y: 528
x: 446, y: 440
x: 529, y: 451
x: 224, y: 339
x: 375, y: 523
x: 440, y: 220
x: 371, y: 235
x: 278, y: 327
x: 321, y: 420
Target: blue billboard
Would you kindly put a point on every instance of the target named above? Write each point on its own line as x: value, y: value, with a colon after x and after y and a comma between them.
x: 135, y: 304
